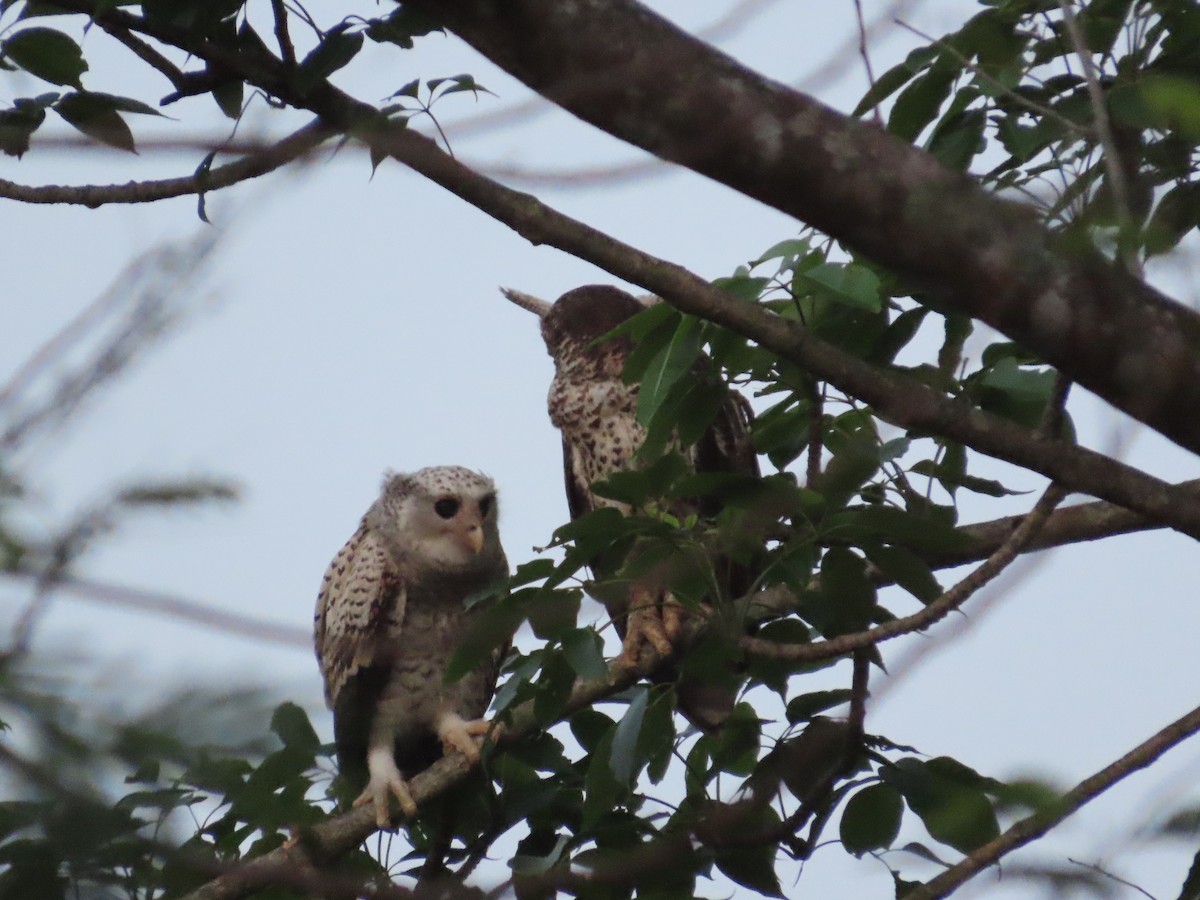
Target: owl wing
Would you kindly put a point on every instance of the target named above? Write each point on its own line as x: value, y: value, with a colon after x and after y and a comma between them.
x: 579, y: 498
x: 360, y: 599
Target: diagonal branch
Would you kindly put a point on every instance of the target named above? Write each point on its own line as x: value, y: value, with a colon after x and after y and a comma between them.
x: 342, y: 833
x: 1034, y: 826
x: 895, y: 398
x: 628, y: 71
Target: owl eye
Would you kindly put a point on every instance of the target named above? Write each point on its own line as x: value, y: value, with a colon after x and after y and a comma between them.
x: 485, y: 506
x: 447, y: 507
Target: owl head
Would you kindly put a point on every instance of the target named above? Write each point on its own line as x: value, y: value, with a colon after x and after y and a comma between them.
x: 574, y: 323
x: 442, y: 518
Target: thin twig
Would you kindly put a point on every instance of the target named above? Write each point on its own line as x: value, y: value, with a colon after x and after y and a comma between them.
x: 1112, y: 157
x: 260, y: 159
x: 286, y: 50
x: 1100, y: 870
x: 181, y: 608
x: 866, y: 57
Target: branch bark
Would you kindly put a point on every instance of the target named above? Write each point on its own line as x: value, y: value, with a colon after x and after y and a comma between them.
x: 1034, y: 826
x: 631, y: 73
x: 252, y: 165
x: 895, y: 398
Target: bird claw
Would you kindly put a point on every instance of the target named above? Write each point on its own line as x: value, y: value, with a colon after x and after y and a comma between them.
x: 649, y: 624
x: 458, y: 734
x: 386, y: 782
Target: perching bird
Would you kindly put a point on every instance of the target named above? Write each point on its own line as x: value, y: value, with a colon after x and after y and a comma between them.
x: 596, y: 411
x: 389, y: 618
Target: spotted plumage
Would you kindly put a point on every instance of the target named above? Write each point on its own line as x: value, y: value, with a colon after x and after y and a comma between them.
x: 596, y: 412
x: 389, y: 617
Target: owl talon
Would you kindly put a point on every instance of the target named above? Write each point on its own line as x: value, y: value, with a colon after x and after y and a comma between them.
x: 457, y: 734
x: 647, y: 624
x: 385, y: 782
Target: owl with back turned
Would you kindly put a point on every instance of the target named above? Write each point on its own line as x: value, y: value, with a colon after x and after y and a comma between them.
x: 595, y: 410
x: 390, y: 615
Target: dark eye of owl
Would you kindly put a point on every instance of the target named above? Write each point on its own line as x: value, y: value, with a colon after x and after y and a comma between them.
x: 446, y: 507
x: 485, y: 506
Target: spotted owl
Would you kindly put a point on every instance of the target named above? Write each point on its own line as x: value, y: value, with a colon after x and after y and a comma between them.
x: 389, y: 617
x: 596, y: 412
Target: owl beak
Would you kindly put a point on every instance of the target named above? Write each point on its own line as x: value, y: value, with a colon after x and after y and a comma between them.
x: 470, y: 536
x: 527, y: 301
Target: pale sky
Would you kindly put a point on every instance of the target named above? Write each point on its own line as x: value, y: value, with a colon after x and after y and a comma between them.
x: 349, y: 324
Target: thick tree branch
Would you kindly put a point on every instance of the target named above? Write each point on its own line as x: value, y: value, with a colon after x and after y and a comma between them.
x: 340, y: 834
x: 624, y: 69
x: 896, y: 399
x: 1034, y: 826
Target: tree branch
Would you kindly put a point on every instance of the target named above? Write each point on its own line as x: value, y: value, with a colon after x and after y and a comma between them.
x: 903, y: 402
x: 292, y: 147
x: 626, y: 70
x: 1034, y: 826
x: 341, y: 833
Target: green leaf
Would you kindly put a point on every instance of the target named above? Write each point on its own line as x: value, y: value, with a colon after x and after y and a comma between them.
x: 871, y: 820
x: 290, y: 723
x: 126, y: 104
x: 804, y: 707
x: 400, y: 27
x: 97, y: 117
x: 589, y: 726
x: 886, y: 524
x: 458, y: 84
x: 410, y: 89
x: 950, y: 479
x: 898, y: 335
x: 920, y: 102
x: 48, y: 54
x: 18, y: 124
x: 954, y: 812
x: 906, y: 569
x: 848, y: 594
x: 554, y: 685
x: 584, y: 650
x: 228, y: 95
x: 334, y: 52
x: 848, y: 283
x: 667, y: 367
x: 624, y: 761
x: 885, y: 85
x: 754, y: 867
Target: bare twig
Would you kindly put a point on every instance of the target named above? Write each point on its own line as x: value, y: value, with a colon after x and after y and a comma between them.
x: 286, y: 50
x: 152, y: 291
x: 866, y: 56
x: 181, y: 608
x: 1034, y: 826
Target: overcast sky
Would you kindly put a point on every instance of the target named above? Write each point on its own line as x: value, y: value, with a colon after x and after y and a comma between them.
x: 347, y: 324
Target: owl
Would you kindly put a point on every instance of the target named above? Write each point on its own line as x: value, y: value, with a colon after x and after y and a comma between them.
x: 390, y: 615
x: 596, y: 412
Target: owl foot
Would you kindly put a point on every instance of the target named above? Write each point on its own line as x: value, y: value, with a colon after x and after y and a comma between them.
x: 648, y: 624
x: 385, y: 782
x: 456, y: 733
